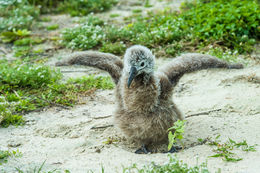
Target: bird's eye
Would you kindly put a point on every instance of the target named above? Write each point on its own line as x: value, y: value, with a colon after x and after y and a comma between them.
x: 142, y: 64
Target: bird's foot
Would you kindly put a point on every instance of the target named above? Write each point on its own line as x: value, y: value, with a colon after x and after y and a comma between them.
x: 175, y: 149
x: 142, y: 150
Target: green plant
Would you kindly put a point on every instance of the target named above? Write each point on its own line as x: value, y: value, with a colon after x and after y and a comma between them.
x: 10, y: 36
x: 224, y: 149
x: 86, y: 83
x: 228, y: 25
x: 226, y: 55
x: 25, y: 87
x: 85, y: 7
x: 17, y: 15
x: 85, y: 36
x: 39, y: 170
x: 147, y: 4
x: 231, y: 23
x: 178, y: 128
x: 173, y: 166
x: 25, y: 75
x: 114, y: 15
x: 137, y: 10
x: 8, y: 118
x: 22, y: 51
x: 28, y: 41
x: 45, y: 19
x: 91, y: 20
x: 52, y: 27
x: 5, y: 154
x: 117, y: 48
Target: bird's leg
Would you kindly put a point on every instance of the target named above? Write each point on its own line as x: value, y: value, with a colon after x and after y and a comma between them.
x: 142, y: 150
x: 174, y: 149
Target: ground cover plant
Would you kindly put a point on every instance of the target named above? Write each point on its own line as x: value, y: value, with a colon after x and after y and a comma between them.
x: 172, y: 166
x: 236, y: 28
x: 16, y: 15
x: 75, y: 8
x: 84, y: 7
x: 4, y: 154
x: 224, y: 150
x: 27, y: 87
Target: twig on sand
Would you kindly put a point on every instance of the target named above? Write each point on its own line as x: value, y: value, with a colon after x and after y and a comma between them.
x: 107, y: 116
x: 74, y: 71
x: 101, y: 127
x: 202, y: 113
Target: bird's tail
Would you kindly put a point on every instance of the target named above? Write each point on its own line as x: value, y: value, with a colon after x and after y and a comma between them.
x: 104, y: 61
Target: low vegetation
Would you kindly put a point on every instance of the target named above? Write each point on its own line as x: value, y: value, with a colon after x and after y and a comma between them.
x: 27, y: 87
x: 16, y: 15
x: 173, y: 166
x: 75, y: 8
x: 4, y: 154
x: 81, y: 8
x: 224, y: 150
x: 52, y: 27
x: 235, y: 28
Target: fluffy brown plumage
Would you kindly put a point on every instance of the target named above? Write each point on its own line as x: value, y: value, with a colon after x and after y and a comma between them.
x: 145, y: 109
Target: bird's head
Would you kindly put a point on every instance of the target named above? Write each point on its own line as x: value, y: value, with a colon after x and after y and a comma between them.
x: 138, y: 60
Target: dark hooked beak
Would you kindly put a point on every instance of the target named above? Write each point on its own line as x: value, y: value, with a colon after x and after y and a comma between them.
x: 132, y: 74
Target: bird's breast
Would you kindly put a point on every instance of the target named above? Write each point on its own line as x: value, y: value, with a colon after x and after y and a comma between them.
x: 140, y: 97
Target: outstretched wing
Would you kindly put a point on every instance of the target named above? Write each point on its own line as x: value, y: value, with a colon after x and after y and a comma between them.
x: 104, y: 61
x: 190, y: 62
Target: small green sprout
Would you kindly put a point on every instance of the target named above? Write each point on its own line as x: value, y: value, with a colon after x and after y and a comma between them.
x: 178, y: 129
x: 52, y: 27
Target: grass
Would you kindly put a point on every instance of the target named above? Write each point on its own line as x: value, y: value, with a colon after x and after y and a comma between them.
x: 5, y: 154
x: 117, y: 48
x: 23, y: 14
x: 114, y: 15
x: 227, y: 55
x: 85, y: 7
x: 224, y: 150
x: 235, y: 28
x: 38, y: 170
x: 137, y: 10
x: 17, y: 15
x: 27, y: 87
x: 172, y: 166
x: 52, y: 27
x: 147, y: 4
x: 233, y: 24
x: 83, y: 37
x: 11, y: 36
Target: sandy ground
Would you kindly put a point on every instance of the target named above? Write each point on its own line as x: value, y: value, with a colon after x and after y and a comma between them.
x: 75, y: 139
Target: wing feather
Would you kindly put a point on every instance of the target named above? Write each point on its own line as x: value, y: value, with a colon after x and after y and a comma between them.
x: 192, y: 62
x: 104, y: 61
